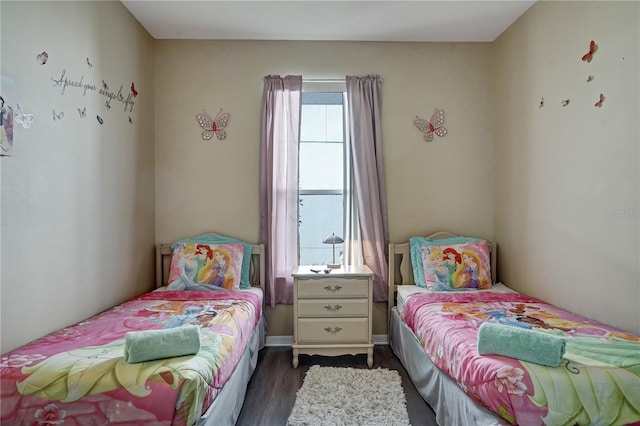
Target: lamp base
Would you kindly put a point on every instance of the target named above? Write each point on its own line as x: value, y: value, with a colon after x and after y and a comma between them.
x: 334, y: 265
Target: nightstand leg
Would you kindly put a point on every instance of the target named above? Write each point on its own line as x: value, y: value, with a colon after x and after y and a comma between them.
x: 295, y: 358
x: 370, y: 358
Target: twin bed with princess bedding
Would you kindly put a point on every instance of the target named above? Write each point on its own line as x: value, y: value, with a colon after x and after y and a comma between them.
x: 482, y: 354
x: 180, y: 355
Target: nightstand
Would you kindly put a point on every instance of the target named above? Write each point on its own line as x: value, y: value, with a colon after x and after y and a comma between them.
x: 332, y: 312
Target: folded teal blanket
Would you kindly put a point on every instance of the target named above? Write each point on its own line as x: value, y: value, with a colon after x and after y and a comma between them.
x: 520, y: 343
x: 148, y: 345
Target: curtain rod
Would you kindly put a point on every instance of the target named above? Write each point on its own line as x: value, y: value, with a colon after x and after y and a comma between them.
x: 332, y: 80
x: 324, y: 80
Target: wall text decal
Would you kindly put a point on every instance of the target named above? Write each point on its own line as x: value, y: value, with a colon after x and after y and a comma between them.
x: 65, y: 82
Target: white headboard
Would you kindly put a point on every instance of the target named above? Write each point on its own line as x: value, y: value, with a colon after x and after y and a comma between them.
x: 257, y: 270
x: 401, y: 273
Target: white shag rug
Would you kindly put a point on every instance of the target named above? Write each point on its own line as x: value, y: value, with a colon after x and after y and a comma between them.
x: 350, y: 396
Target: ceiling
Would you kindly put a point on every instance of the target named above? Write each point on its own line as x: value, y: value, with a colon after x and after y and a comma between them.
x: 363, y: 20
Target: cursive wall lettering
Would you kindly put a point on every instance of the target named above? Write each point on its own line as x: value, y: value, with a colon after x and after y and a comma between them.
x: 65, y: 82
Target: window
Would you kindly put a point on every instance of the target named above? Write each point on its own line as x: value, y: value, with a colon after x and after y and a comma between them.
x: 321, y: 173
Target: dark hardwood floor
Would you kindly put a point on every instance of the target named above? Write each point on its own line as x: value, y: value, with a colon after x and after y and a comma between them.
x: 272, y: 389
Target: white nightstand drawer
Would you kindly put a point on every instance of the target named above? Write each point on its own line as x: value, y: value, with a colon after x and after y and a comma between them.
x: 349, y: 330
x: 327, y: 287
x: 333, y: 308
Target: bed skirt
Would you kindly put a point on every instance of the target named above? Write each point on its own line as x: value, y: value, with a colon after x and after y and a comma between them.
x: 226, y: 408
x: 451, y: 405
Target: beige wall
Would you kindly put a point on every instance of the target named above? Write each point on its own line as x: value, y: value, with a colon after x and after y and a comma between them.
x: 566, y: 179
x: 79, y: 203
x: 77, y: 197
x: 214, y: 185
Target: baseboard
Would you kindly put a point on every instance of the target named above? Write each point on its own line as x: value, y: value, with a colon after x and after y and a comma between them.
x: 378, y: 339
x: 279, y: 341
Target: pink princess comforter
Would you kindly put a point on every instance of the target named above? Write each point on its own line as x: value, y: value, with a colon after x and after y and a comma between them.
x: 78, y: 375
x: 597, y: 382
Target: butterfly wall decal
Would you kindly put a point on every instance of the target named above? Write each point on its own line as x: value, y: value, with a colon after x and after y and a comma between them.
x: 433, y: 126
x: 133, y: 90
x: 42, y: 58
x: 57, y: 116
x: 22, y: 118
x: 600, y: 102
x: 593, y: 48
x: 213, y: 126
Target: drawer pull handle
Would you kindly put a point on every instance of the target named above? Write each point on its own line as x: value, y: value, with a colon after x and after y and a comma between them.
x: 333, y: 308
x: 334, y: 288
x: 333, y: 330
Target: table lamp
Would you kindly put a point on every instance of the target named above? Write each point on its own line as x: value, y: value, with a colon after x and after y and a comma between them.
x: 333, y: 239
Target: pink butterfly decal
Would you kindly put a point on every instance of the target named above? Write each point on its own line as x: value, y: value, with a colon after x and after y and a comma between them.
x: 213, y: 126
x: 434, y: 125
x: 593, y: 48
x: 600, y: 102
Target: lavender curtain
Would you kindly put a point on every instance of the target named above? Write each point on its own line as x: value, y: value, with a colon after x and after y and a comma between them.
x: 281, y: 107
x: 365, y: 137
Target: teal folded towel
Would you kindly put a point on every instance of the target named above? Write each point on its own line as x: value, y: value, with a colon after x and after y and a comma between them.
x: 148, y: 345
x: 520, y: 343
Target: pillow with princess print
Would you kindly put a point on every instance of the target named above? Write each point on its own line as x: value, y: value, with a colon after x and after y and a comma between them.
x: 245, y: 281
x: 196, y: 266
x: 417, y: 250
x: 449, y: 267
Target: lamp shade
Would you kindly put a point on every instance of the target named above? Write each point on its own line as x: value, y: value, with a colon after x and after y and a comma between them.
x: 333, y: 239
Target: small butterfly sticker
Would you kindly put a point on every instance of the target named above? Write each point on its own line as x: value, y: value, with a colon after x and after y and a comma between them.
x: 82, y: 112
x: 42, y: 58
x: 600, y: 102
x: 100, y: 120
x: 434, y: 125
x: 89, y: 63
x: 593, y: 48
x: 58, y: 116
x: 133, y: 90
x: 213, y: 126
x: 22, y: 118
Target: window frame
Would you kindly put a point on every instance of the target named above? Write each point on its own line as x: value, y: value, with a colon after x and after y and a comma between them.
x: 330, y: 86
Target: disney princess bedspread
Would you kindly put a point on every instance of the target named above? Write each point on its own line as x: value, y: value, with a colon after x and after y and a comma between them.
x: 78, y: 375
x: 597, y: 382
